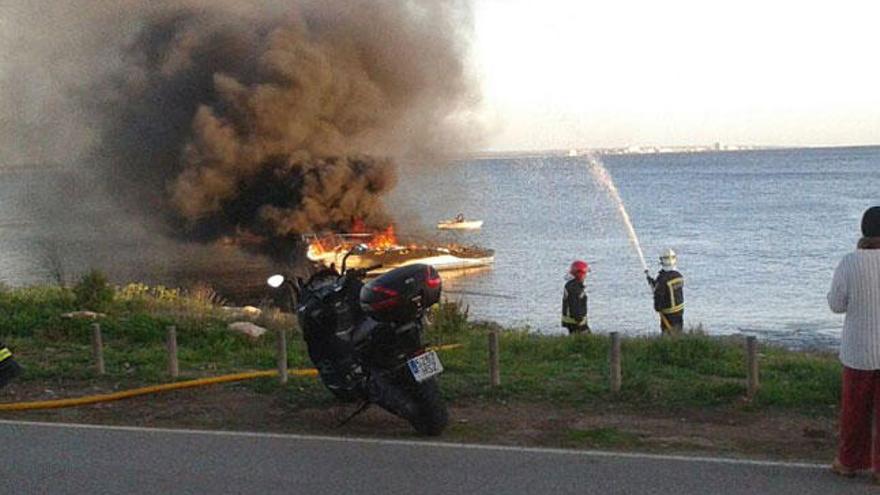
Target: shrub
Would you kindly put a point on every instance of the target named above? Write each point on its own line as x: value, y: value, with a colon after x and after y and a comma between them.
x: 448, y: 318
x: 205, y: 295
x: 92, y: 292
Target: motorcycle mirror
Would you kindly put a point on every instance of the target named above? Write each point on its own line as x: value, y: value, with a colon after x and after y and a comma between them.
x: 275, y: 281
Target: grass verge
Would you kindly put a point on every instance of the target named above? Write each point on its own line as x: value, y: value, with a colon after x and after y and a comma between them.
x: 659, y: 374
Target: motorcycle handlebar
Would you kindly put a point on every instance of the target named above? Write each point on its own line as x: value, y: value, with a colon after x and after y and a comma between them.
x: 360, y: 272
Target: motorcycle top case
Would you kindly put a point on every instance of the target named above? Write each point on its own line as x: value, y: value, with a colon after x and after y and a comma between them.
x: 402, y: 294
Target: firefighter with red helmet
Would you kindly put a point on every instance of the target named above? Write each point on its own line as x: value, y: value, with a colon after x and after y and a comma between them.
x: 574, y: 299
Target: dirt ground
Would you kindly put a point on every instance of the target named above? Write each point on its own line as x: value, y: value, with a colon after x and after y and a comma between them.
x: 728, y: 431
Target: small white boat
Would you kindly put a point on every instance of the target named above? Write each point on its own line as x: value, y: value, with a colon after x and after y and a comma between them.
x: 460, y: 224
x: 465, y: 225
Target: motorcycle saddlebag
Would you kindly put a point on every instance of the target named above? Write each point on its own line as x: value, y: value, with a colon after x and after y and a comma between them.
x: 402, y: 294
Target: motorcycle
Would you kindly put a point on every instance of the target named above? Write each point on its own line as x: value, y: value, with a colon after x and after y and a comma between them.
x: 365, y: 339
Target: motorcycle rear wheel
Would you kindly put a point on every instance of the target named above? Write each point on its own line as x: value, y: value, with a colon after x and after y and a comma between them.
x: 432, y: 416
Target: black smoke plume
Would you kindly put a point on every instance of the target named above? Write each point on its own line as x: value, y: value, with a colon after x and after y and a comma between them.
x: 276, y: 123
x: 219, y: 117
x: 180, y: 120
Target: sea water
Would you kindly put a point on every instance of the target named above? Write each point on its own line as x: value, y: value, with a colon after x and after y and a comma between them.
x: 758, y: 234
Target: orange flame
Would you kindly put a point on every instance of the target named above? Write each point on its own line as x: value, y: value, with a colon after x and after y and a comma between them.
x: 378, y: 241
x: 317, y: 247
x: 383, y: 240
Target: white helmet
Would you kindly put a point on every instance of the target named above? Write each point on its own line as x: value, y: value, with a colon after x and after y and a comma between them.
x: 668, y: 259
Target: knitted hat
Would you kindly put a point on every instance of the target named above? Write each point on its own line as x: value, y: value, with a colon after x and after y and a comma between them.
x: 871, y: 222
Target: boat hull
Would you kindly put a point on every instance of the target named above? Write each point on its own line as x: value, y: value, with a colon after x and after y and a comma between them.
x: 440, y: 259
x: 443, y: 263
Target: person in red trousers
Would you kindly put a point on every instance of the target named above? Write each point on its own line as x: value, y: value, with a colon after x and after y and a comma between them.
x: 855, y: 291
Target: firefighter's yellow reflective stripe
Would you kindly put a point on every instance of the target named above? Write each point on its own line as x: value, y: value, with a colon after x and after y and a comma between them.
x: 665, y: 322
x: 674, y: 306
x: 568, y: 320
x: 5, y: 354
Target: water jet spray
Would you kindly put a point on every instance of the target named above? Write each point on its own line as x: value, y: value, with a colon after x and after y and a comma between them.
x: 602, y: 178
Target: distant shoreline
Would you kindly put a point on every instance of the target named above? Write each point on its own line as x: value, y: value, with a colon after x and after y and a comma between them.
x: 573, y: 152
x: 649, y: 150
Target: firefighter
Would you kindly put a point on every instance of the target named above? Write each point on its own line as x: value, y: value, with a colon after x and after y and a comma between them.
x: 574, y: 299
x: 9, y: 369
x: 668, y: 294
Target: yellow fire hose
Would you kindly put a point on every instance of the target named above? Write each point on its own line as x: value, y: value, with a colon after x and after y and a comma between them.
x: 127, y: 394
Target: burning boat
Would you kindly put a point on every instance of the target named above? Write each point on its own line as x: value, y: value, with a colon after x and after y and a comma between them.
x: 382, y: 248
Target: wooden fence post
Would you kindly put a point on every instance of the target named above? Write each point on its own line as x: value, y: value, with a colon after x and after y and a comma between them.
x: 614, y: 359
x: 752, y: 366
x: 98, y: 348
x: 171, y: 344
x: 494, y: 359
x: 282, y: 356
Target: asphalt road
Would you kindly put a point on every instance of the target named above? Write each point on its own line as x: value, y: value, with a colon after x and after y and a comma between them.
x: 59, y: 459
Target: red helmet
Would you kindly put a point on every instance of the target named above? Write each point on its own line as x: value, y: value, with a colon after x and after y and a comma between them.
x: 579, y: 267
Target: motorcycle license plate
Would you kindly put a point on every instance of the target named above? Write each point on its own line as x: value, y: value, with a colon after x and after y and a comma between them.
x: 425, y: 366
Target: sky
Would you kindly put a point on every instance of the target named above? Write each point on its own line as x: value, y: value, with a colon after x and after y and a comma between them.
x: 560, y: 74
